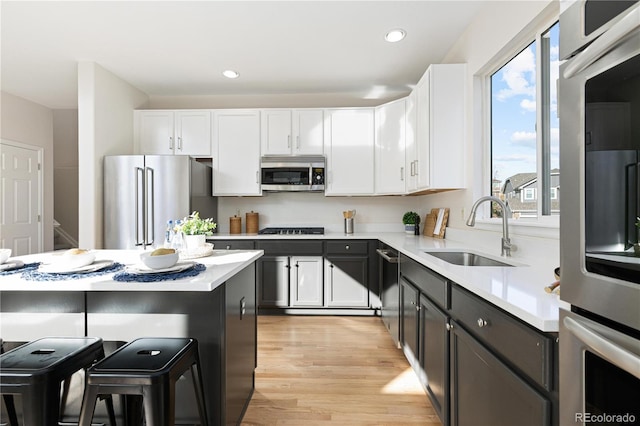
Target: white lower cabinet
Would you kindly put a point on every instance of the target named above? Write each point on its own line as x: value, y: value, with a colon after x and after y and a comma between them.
x: 345, y: 282
x: 236, y: 152
x: 306, y: 281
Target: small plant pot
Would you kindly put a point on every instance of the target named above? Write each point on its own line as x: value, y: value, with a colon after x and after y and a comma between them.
x: 194, y: 242
x: 410, y: 228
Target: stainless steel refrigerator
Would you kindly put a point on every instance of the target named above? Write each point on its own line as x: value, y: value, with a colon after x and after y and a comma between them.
x: 143, y: 192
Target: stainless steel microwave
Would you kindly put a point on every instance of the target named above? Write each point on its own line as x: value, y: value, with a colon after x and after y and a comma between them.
x: 293, y: 173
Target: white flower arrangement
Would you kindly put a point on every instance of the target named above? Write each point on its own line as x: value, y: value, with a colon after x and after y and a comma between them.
x: 194, y: 225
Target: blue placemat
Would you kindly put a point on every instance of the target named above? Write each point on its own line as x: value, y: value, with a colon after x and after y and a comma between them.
x: 24, y: 268
x: 35, y: 275
x: 147, y: 278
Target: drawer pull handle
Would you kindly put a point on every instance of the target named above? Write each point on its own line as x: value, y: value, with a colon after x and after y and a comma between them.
x: 449, y: 327
x: 347, y: 247
x: 482, y: 323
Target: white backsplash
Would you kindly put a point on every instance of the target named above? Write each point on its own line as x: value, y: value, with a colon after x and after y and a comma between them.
x: 373, y: 214
x: 376, y: 214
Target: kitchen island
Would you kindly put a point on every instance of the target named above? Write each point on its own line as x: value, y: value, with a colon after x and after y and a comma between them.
x: 217, y: 307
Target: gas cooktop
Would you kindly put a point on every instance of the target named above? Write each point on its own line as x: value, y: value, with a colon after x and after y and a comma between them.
x: 292, y: 231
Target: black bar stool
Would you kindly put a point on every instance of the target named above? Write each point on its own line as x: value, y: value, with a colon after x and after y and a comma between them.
x: 36, y: 369
x: 148, y: 367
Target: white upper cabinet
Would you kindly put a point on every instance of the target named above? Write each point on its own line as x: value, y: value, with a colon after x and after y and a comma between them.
x: 437, y: 161
x: 292, y: 132
x: 390, y: 148
x: 236, y: 152
x: 411, y: 147
x: 181, y: 132
x: 349, y: 149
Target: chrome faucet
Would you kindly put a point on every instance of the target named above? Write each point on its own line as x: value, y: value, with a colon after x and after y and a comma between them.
x: 506, y: 242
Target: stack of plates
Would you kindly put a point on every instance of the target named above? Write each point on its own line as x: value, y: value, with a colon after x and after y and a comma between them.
x: 142, y: 269
x: 61, y: 268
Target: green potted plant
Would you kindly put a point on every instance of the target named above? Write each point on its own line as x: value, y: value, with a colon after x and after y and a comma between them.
x: 410, y: 220
x: 195, y: 230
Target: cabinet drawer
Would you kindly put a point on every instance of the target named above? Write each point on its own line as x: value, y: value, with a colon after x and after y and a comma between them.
x: 347, y: 247
x: 288, y: 247
x: 434, y: 286
x: 518, y: 344
x: 232, y: 244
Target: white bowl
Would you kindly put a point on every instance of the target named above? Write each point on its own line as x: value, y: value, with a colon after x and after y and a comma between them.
x: 159, y: 262
x: 71, y: 259
x: 4, y: 255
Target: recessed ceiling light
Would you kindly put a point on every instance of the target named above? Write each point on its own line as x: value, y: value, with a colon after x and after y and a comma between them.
x: 231, y: 74
x: 395, y: 35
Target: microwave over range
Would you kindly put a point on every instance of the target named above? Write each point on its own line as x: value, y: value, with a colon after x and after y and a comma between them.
x: 293, y: 173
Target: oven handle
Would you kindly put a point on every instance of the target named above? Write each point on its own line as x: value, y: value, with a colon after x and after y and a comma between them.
x: 603, y: 44
x: 615, y: 354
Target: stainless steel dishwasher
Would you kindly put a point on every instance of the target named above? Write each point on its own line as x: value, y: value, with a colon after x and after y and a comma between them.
x: 390, y: 292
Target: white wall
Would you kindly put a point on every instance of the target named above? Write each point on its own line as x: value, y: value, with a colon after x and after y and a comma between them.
x: 65, y: 169
x: 30, y: 123
x: 105, y: 127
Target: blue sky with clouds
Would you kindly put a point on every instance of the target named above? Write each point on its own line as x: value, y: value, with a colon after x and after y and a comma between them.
x: 513, y: 113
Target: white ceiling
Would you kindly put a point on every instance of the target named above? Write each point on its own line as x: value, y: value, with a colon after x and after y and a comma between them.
x: 180, y: 48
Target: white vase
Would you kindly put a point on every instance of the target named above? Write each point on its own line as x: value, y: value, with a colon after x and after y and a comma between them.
x: 193, y: 242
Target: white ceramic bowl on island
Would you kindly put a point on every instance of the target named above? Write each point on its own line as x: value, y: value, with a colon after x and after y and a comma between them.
x: 159, y: 261
x: 76, y: 258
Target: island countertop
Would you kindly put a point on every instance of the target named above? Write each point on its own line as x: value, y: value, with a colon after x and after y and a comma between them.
x: 221, y: 265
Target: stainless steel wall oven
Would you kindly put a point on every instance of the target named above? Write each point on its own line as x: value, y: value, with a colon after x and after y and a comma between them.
x: 599, y: 108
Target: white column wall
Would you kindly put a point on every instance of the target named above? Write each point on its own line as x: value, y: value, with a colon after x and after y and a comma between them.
x: 105, y: 127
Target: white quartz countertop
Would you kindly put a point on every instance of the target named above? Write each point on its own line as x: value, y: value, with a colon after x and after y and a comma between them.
x: 518, y: 290
x: 221, y: 265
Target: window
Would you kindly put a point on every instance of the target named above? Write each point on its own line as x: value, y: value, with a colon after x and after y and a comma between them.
x: 529, y: 194
x: 525, y: 129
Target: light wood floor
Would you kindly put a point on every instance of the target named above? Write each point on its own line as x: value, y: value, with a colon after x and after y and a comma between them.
x: 321, y: 370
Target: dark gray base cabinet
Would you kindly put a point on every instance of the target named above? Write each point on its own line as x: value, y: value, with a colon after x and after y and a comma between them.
x: 478, y: 364
x: 485, y: 392
x: 434, y: 355
x: 424, y: 334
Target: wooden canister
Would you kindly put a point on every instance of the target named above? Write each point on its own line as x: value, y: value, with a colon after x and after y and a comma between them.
x: 235, y: 225
x: 252, y: 223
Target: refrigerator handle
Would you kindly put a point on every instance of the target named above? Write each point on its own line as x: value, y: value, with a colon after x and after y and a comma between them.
x: 150, y: 208
x: 139, y: 188
x: 632, y: 206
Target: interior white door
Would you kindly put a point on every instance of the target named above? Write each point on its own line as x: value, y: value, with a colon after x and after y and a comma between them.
x: 20, y: 209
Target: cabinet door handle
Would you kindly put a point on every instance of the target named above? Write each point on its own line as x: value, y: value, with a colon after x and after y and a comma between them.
x: 288, y: 141
x: 171, y: 142
x: 449, y: 327
x: 416, y: 167
x: 347, y: 247
x: 228, y: 247
x: 258, y: 176
x: 482, y: 323
x: 179, y: 143
x: 401, y: 174
x: 298, y: 141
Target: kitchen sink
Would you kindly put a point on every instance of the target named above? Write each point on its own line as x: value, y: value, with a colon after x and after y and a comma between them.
x: 465, y: 258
